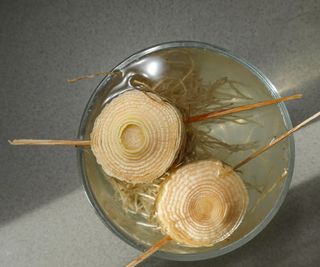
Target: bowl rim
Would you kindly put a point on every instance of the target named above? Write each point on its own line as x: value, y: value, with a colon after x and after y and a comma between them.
x: 258, y: 228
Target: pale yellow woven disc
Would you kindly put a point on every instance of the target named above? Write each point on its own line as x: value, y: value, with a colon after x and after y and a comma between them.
x: 202, y: 203
x: 137, y: 136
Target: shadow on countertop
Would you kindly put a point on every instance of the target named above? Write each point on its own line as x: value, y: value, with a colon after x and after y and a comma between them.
x: 34, y: 176
x: 291, y: 239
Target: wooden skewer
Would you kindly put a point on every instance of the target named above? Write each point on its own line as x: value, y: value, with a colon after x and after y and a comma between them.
x: 18, y: 142
x: 275, y: 141
x: 219, y: 113
x: 90, y: 76
x: 150, y: 251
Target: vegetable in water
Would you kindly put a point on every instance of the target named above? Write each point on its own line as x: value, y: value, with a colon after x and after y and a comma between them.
x: 202, y: 203
x: 137, y: 137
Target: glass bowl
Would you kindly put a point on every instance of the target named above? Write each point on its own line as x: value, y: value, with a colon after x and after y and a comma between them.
x: 270, y: 173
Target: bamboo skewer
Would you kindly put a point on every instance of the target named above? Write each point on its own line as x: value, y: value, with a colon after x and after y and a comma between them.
x: 219, y: 113
x: 150, y: 251
x: 275, y: 141
x: 18, y: 142
x: 167, y: 238
x: 210, y: 115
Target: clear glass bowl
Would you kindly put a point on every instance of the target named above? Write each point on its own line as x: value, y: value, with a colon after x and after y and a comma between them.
x: 263, y: 173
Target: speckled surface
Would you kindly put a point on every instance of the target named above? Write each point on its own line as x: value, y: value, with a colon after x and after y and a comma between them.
x: 45, y: 218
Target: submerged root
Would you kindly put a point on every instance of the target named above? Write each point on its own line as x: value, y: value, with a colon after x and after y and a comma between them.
x: 205, y: 145
x: 90, y: 76
x: 265, y: 191
x: 137, y: 199
x: 186, y: 89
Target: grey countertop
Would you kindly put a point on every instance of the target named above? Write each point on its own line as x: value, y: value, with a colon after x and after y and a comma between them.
x: 45, y: 218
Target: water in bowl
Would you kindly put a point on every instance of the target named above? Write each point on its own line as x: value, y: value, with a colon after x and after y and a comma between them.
x: 197, y: 81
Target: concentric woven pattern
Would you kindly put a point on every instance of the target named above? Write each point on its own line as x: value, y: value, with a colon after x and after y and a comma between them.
x: 202, y: 203
x: 137, y: 136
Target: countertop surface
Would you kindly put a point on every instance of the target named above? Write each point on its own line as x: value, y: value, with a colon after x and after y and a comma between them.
x: 45, y: 217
